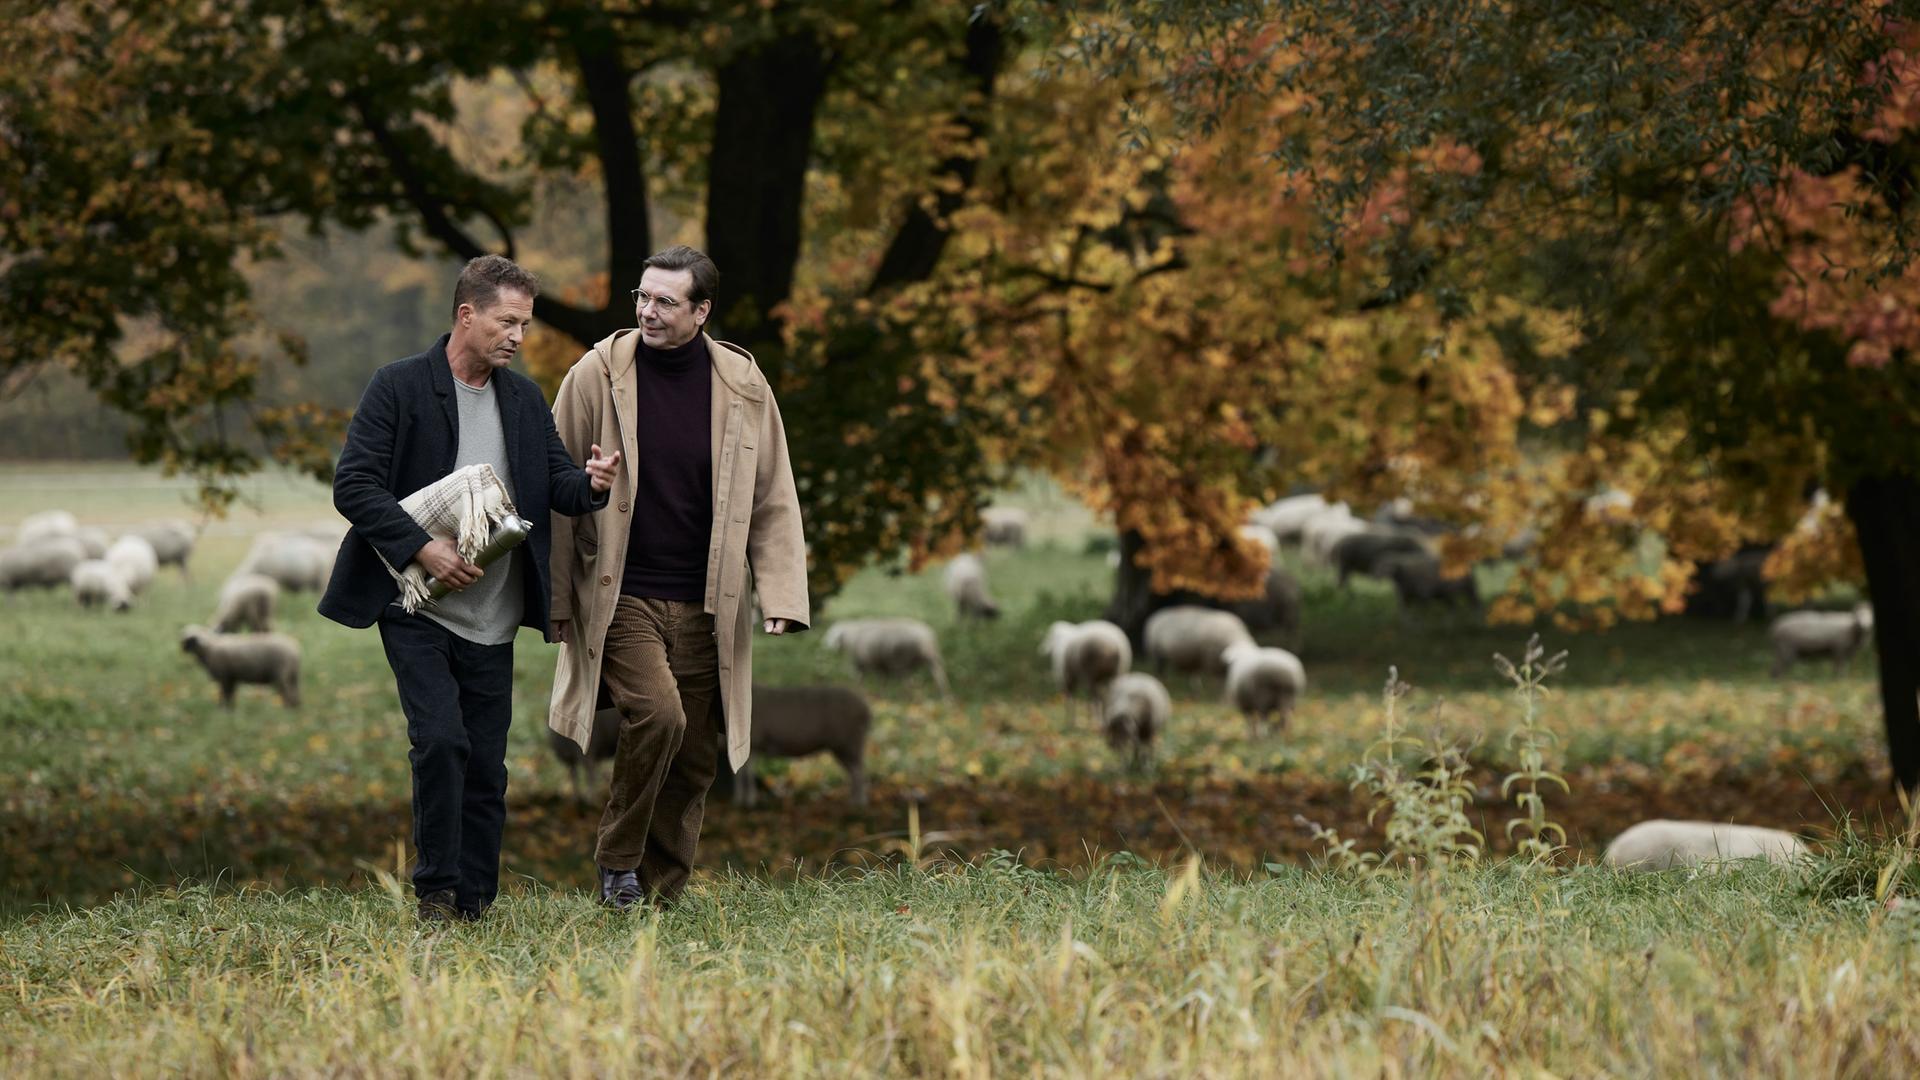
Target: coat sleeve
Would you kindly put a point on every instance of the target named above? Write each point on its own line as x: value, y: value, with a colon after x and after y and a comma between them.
x: 360, y: 480
x: 569, y: 490
x: 776, y: 547
x: 574, y: 416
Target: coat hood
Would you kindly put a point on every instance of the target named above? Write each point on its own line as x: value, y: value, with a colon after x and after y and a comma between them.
x: 735, y: 365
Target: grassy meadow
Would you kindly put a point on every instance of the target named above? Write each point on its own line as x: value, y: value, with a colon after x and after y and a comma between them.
x: 193, y: 890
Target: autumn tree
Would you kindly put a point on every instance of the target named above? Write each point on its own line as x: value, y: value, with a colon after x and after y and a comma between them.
x: 152, y: 147
x: 1717, y: 195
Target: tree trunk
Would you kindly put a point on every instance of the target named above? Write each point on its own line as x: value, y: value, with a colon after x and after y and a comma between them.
x: 1886, y: 513
x: 1133, y: 598
x: 756, y: 176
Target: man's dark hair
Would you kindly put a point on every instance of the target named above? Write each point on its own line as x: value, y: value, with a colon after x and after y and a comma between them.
x: 483, y: 278
x: 706, y: 276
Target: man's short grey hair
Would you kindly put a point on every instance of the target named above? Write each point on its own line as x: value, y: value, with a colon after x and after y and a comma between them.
x: 706, y: 276
x: 483, y: 278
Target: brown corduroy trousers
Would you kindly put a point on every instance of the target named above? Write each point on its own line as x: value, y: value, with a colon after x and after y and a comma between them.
x: 661, y: 666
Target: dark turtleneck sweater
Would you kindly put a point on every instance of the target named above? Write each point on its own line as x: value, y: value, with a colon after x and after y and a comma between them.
x: 672, y: 473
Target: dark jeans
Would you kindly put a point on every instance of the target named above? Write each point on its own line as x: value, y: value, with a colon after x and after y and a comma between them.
x: 661, y: 665
x: 458, y: 699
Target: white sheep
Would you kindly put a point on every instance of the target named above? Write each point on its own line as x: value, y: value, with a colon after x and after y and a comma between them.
x: 98, y: 582
x: 246, y: 602
x: 47, y: 563
x: 94, y: 541
x: 1263, y: 536
x: 1661, y: 844
x: 1191, y: 638
x: 1263, y: 683
x: 298, y: 562
x: 46, y: 525
x: 889, y: 647
x: 1006, y: 526
x: 1285, y: 518
x: 1326, y: 529
x: 135, y: 560
x: 1086, y: 658
x: 1798, y: 635
x: 1138, y: 710
x: 265, y: 659
x: 172, y: 542
x: 966, y: 582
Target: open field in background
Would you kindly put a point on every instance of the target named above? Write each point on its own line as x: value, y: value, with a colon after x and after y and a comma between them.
x: 200, y: 891
x: 122, y: 768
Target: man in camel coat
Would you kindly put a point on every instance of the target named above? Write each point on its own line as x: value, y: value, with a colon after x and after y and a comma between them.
x: 650, y: 594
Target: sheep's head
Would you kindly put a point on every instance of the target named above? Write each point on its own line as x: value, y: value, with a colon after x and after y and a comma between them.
x: 836, y: 636
x: 193, y: 639
x: 1863, y: 614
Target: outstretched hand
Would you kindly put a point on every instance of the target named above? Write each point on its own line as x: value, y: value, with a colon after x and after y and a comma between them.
x: 601, y: 470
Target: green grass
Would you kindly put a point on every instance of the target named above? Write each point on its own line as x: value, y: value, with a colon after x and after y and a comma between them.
x: 819, y: 938
x: 122, y: 768
x: 988, y: 969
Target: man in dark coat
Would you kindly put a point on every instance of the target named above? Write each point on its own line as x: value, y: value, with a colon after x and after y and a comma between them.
x: 422, y: 418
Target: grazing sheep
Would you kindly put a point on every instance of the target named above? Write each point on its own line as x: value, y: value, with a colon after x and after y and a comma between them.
x: 1006, y: 526
x: 1277, y: 609
x: 967, y: 587
x: 135, y: 560
x: 1287, y: 517
x: 889, y: 647
x: 601, y: 744
x: 1661, y: 844
x: 1368, y: 552
x: 94, y: 541
x: 1731, y: 588
x: 1798, y: 635
x: 1398, y: 514
x: 46, y: 525
x: 267, y: 659
x: 1190, y: 638
x: 1086, y: 658
x: 1138, y: 710
x: 1261, y: 535
x: 246, y: 602
x: 298, y: 562
x: 1417, y: 581
x: 795, y: 721
x: 98, y: 582
x: 1327, y: 528
x: 1263, y: 683
x: 172, y: 542
x: 46, y: 563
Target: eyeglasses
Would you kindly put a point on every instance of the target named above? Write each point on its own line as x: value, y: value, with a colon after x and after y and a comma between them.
x: 667, y: 304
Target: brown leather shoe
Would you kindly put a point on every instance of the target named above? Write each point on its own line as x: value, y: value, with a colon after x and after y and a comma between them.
x: 620, y: 889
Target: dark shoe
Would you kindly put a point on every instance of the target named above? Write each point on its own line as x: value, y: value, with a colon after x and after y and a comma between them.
x: 620, y: 889
x: 438, y: 906
x: 474, y: 914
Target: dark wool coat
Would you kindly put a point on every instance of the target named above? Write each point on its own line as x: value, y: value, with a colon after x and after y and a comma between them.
x: 404, y: 436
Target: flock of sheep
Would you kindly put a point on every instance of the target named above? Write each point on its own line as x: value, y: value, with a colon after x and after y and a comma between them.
x: 52, y: 550
x: 1091, y: 662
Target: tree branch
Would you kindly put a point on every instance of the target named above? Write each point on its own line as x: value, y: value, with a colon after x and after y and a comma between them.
x: 916, y: 248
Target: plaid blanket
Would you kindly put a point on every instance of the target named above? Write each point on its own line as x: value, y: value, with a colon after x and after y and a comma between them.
x: 464, y: 507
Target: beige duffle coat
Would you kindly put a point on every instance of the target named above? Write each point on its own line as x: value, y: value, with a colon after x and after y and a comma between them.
x: 756, y: 539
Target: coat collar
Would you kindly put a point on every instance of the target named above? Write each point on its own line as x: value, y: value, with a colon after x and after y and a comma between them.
x: 440, y: 372
x: 732, y: 365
